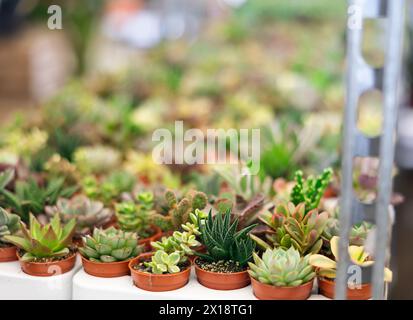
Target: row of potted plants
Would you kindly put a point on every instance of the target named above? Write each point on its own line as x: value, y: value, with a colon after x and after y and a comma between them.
x: 298, y: 244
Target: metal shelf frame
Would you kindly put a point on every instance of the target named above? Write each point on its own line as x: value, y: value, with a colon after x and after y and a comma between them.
x: 360, y: 79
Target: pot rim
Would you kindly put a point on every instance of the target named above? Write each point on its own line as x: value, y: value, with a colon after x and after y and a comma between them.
x: 105, y: 263
x: 149, y: 254
x: 283, y: 287
x: 223, y: 273
x: 71, y: 256
x: 332, y: 282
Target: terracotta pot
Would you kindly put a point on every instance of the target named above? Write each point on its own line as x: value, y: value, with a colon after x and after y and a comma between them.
x: 222, y: 281
x: 8, y: 254
x: 268, y: 292
x: 157, y: 282
x: 48, y: 269
x: 106, y: 269
x: 327, y: 287
x: 156, y: 236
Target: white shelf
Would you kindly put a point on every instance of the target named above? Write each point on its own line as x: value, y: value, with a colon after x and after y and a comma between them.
x: 17, y: 285
x: 87, y: 287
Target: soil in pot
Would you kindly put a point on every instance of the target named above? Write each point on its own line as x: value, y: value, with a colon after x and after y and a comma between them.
x: 327, y: 287
x: 268, y: 292
x: 143, y: 279
x: 47, y: 267
x: 106, y: 269
x: 8, y: 253
x: 221, y: 275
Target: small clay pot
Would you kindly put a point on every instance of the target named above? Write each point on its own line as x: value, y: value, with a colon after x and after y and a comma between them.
x: 8, y: 254
x: 106, y: 269
x: 157, y: 282
x: 222, y: 281
x: 157, y: 234
x: 48, y: 269
x: 326, y: 288
x: 268, y: 292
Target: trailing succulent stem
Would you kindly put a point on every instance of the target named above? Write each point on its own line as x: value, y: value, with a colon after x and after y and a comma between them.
x: 310, y: 190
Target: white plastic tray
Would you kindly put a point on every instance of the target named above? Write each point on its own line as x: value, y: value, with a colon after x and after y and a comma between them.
x: 17, y: 285
x: 86, y: 286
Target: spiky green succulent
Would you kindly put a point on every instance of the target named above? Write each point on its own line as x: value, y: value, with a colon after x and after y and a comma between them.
x: 110, y: 245
x: 135, y: 216
x: 310, y: 190
x: 178, y: 211
x: 163, y: 262
x: 31, y: 197
x: 88, y: 213
x: 292, y: 227
x: 223, y: 241
x: 281, y: 268
x: 44, y: 241
x: 9, y: 224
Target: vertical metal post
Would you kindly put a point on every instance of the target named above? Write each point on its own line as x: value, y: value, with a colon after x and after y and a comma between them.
x: 392, y: 70
x: 361, y: 78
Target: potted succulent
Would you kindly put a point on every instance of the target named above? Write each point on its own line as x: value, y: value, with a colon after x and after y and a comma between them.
x: 177, y: 212
x: 169, y: 267
x: 291, y: 226
x: 88, y: 214
x: 107, y: 253
x: 281, y: 275
x: 44, y: 250
x: 136, y: 217
x: 9, y: 225
x: 224, y: 266
x: 326, y: 270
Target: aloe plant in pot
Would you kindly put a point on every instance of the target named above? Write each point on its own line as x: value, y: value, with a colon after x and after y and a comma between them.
x: 326, y: 270
x: 45, y: 250
x: 224, y: 266
x: 169, y: 267
x: 281, y: 275
x: 106, y: 253
x: 9, y: 225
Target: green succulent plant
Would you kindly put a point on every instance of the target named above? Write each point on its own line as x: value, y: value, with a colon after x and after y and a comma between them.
x: 48, y: 241
x: 358, y: 232
x: 30, y: 197
x: 178, y: 211
x: 88, y: 213
x: 110, y: 245
x: 96, y: 159
x: 9, y: 224
x: 223, y: 241
x: 310, y: 190
x: 292, y: 227
x: 135, y: 216
x: 327, y: 267
x: 164, y: 263
x: 281, y: 268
